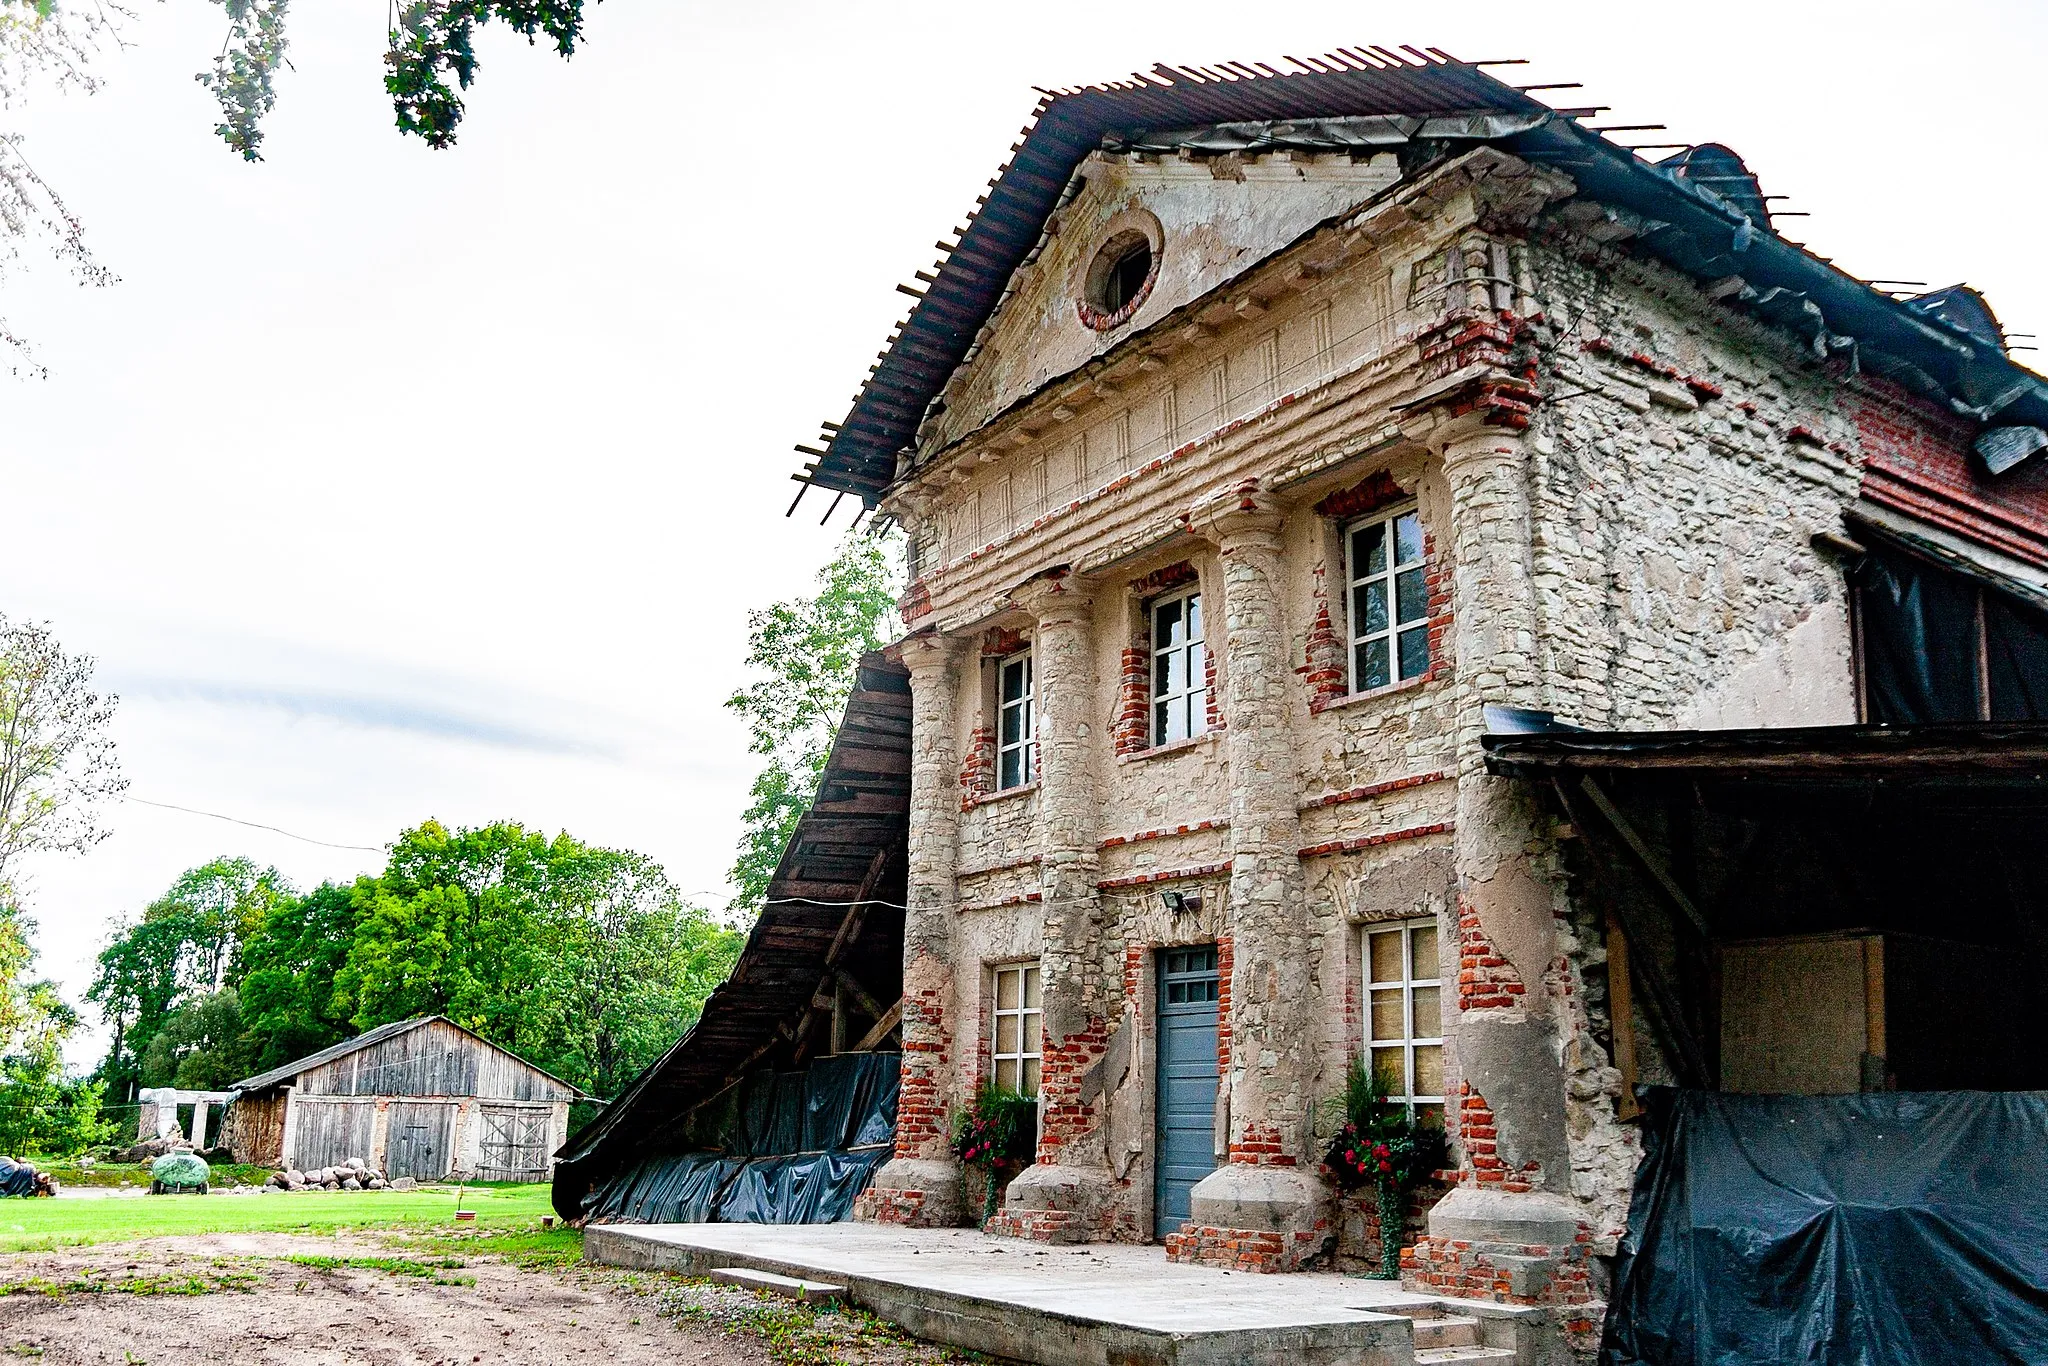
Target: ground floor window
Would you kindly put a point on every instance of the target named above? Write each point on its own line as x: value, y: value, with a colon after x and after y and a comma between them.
x: 1404, y: 1035
x: 1016, y: 1054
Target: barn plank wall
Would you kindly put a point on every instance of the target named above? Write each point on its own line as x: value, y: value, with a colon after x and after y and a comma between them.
x: 436, y: 1059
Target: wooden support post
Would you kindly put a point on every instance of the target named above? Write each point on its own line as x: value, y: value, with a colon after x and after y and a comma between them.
x: 839, y: 1017
x: 1689, y: 1058
x: 1621, y: 1011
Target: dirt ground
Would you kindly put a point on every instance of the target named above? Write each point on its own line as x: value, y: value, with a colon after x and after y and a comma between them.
x: 243, y: 1298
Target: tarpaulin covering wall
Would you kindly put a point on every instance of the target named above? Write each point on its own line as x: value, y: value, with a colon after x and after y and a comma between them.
x: 779, y: 1148
x: 1940, y: 647
x: 1889, y: 1229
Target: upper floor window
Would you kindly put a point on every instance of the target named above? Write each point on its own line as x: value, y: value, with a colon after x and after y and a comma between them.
x: 1933, y: 645
x: 1016, y: 729
x: 1389, y: 597
x: 1015, y: 1058
x: 1404, y: 1033
x: 1180, y: 668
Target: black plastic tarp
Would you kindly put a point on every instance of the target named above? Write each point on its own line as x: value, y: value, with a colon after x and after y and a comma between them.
x: 16, y: 1178
x: 1888, y: 1229
x: 1940, y: 647
x: 778, y: 1148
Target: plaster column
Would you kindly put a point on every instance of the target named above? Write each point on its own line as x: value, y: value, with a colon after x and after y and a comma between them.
x: 1268, y: 1182
x: 1064, y: 1195
x: 198, y: 1134
x: 1510, y: 1112
x: 921, y: 1184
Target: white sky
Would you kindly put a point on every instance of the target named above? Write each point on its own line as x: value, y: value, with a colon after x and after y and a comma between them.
x: 392, y: 484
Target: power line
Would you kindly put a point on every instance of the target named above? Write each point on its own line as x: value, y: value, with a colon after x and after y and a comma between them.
x: 255, y: 825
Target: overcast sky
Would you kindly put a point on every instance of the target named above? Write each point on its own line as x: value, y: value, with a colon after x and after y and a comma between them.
x: 392, y: 484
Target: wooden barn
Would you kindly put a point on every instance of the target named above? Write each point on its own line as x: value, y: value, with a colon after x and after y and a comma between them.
x: 423, y: 1098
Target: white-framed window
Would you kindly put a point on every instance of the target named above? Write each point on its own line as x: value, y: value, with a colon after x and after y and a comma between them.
x: 1015, y: 1056
x: 1389, y: 600
x: 1016, y: 724
x: 1180, y: 668
x: 1404, y: 1032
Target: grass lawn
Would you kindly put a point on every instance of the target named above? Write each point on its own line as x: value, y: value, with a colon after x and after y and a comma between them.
x: 33, y: 1225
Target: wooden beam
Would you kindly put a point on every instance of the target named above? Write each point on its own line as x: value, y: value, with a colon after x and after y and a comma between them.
x: 1659, y: 871
x: 884, y: 1027
x: 859, y: 993
x: 1689, y: 1059
x: 1621, y: 1010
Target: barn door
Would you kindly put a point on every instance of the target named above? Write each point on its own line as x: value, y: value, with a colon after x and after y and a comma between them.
x: 421, y: 1140
x: 515, y: 1143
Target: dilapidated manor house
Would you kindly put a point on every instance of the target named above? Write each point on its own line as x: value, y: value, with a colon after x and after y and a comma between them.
x: 1395, y: 574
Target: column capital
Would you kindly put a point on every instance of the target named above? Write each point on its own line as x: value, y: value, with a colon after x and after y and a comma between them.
x: 1239, y: 517
x: 929, y: 654
x: 1058, y: 595
x: 1469, y: 439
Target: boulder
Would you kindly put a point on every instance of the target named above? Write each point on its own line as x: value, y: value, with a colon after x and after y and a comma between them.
x: 404, y: 1183
x: 375, y: 1183
x: 349, y: 1183
x: 294, y: 1177
x: 356, y: 1162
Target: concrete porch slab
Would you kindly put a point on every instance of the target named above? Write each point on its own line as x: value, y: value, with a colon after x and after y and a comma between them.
x: 1099, y: 1304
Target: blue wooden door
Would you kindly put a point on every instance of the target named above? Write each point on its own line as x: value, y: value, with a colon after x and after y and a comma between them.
x: 1186, y: 1139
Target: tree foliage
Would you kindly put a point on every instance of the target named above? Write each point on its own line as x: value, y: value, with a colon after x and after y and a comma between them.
x: 583, y: 960
x: 57, y: 763
x: 804, y: 654
x: 41, y: 1110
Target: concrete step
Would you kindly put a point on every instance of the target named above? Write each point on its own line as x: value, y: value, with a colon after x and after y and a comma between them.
x: 1503, y: 1355
x: 1447, y: 1330
x: 789, y: 1287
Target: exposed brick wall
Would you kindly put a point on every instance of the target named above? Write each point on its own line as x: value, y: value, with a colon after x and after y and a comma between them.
x: 1322, y: 666
x: 920, y: 1110
x: 1132, y: 728
x: 1918, y: 460
x: 1248, y: 1249
x: 1375, y: 491
x: 1063, y: 1115
x: 1258, y: 1145
x: 1479, y: 1136
x: 1485, y: 978
x: 978, y: 769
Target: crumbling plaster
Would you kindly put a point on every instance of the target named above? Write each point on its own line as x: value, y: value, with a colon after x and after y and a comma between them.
x: 1656, y: 515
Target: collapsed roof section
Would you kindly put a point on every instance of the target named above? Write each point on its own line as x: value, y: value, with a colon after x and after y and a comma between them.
x: 1700, y: 211
x: 833, y: 915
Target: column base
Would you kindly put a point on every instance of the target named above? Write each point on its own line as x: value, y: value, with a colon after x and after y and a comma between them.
x: 1054, y: 1203
x: 915, y: 1192
x: 1525, y: 1249
x: 1254, y: 1218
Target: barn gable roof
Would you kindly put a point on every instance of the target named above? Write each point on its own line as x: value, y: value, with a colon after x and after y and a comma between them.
x: 277, y: 1076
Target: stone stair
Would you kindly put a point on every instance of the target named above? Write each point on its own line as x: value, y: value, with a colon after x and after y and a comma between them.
x: 1442, y: 1334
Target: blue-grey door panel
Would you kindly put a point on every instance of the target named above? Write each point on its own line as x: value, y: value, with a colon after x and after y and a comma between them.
x: 1186, y: 1108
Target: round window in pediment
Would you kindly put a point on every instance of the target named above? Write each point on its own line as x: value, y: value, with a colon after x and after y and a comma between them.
x: 1119, y: 279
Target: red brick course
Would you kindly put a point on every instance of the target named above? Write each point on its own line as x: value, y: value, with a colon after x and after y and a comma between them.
x: 1485, y: 978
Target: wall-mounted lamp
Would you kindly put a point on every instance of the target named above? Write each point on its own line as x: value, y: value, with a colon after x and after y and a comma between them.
x: 1181, y: 903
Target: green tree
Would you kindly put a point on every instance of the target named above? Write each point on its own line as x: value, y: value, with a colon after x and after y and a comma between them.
x: 186, y: 945
x: 57, y: 762
x: 201, y: 1046
x: 805, y: 653
x: 42, y: 1112
x: 287, y: 990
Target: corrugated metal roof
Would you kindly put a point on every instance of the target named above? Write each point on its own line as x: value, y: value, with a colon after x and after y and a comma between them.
x: 1688, y: 224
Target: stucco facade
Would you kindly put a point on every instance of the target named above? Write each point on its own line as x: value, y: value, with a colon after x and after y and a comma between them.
x: 1618, y: 480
